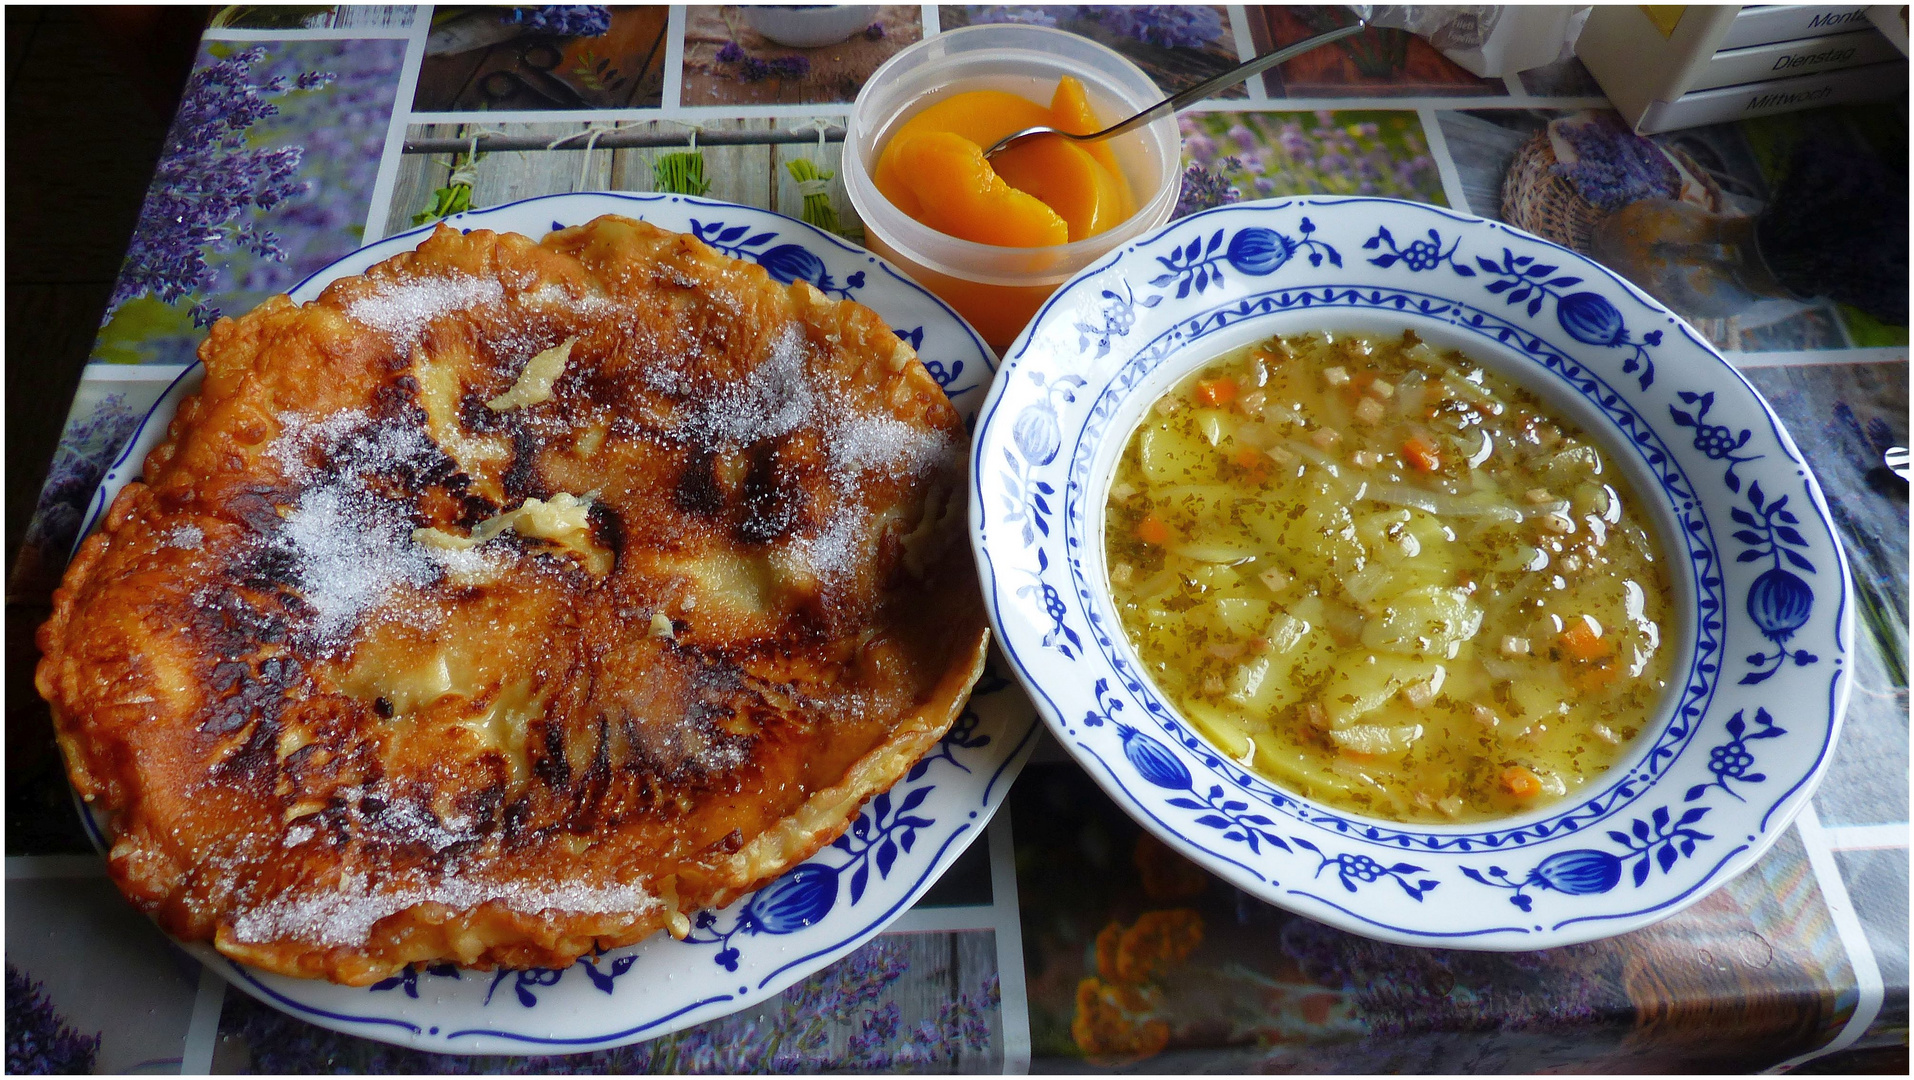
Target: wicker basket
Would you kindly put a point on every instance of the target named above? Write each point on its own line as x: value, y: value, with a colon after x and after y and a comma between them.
x: 1534, y: 198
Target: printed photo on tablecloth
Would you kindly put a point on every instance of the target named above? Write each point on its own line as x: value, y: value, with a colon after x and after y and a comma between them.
x: 536, y: 58
x: 1730, y: 225
x: 1378, y: 62
x: 92, y: 984
x: 311, y: 17
x: 100, y: 421
x: 266, y: 176
x: 436, y: 182
x: 1844, y: 417
x: 739, y: 55
x: 1232, y: 156
x: 905, y: 1002
x: 1877, y: 882
x: 1139, y: 961
x: 1835, y: 186
x: 1176, y: 45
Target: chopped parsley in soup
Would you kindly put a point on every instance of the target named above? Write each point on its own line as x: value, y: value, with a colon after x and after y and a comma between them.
x: 1385, y: 579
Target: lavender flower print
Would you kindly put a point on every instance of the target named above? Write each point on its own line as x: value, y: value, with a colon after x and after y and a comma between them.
x: 1402, y: 990
x: 1170, y: 26
x: 319, y: 133
x: 39, y: 1040
x: 1328, y: 153
x: 86, y: 447
x: 1613, y: 166
x: 567, y: 20
x: 342, y: 131
x: 756, y: 69
x: 1204, y: 189
x: 1023, y: 16
x: 1166, y: 26
x: 781, y: 67
x: 207, y: 178
x: 797, y: 1032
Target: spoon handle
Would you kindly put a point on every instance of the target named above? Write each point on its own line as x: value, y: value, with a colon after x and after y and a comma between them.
x: 1226, y: 80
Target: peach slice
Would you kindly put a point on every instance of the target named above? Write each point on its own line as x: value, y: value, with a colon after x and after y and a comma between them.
x: 982, y: 116
x: 1070, y: 111
x: 1034, y: 189
x: 958, y: 193
x: 1068, y: 180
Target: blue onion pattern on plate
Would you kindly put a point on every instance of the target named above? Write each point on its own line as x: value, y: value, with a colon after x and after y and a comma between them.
x: 818, y: 912
x: 1762, y: 586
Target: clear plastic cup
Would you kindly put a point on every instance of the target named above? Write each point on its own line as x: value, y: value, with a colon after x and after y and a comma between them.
x: 999, y: 289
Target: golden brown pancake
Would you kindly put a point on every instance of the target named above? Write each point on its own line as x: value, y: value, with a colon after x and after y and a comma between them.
x: 510, y: 601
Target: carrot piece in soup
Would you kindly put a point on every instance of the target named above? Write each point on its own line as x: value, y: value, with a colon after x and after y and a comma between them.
x: 1419, y: 452
x: 1151, y: 530
x: 1521, y: 783
x: 1216, y: 392
x: 1588, y: 678
x: 1581, y: 642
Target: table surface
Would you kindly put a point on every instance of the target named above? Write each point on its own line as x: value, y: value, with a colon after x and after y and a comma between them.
x: 1080, y: 942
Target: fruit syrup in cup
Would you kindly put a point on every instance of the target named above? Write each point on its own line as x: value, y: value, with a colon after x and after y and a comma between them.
x: 999, y: 289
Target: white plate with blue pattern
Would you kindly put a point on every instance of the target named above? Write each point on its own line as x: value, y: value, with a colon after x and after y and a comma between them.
x: 819, y: 911
x: 1761, y: 671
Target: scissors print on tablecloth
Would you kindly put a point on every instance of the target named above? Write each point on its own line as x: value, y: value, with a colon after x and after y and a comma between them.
x: 532, y: 74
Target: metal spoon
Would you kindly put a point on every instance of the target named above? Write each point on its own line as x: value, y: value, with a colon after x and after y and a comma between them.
x: 1188, y: 97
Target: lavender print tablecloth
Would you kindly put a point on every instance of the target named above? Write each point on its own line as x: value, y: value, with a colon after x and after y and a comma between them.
x: 1071, y: 941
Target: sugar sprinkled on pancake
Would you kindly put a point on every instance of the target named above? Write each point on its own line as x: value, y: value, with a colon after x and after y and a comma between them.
x: 510, y: 601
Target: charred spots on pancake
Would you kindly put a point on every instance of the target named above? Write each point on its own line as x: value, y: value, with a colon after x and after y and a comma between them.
x: 254, y: 762
x: 306, y: 758
x: 472, y: 508
x: 515, y: 820
x: 389, y: 440
x: 553, y: 767
x: 693, y: 749
x: 607, y: 529
x: 338, y: 541
x: 476, y: 418
x: 775, y: 397
x: 266, y: 567
x: 774, y: 499
x: 409, y: 821
x: 231, y: 627
x: 676, y: 722
x: 259, y: 508
x: 335, y: 821
x: 391, y: 457
x: 478, y: 811
x: 249, y: 673
x: 241, y: 691
x: 398, y: 401
x: 586, y: 811
x: 697, y: 490
x: 521, y: 480
x: 598, y: 773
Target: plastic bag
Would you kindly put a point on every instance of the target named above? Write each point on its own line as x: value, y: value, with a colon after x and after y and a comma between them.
x: 1488, y: 40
